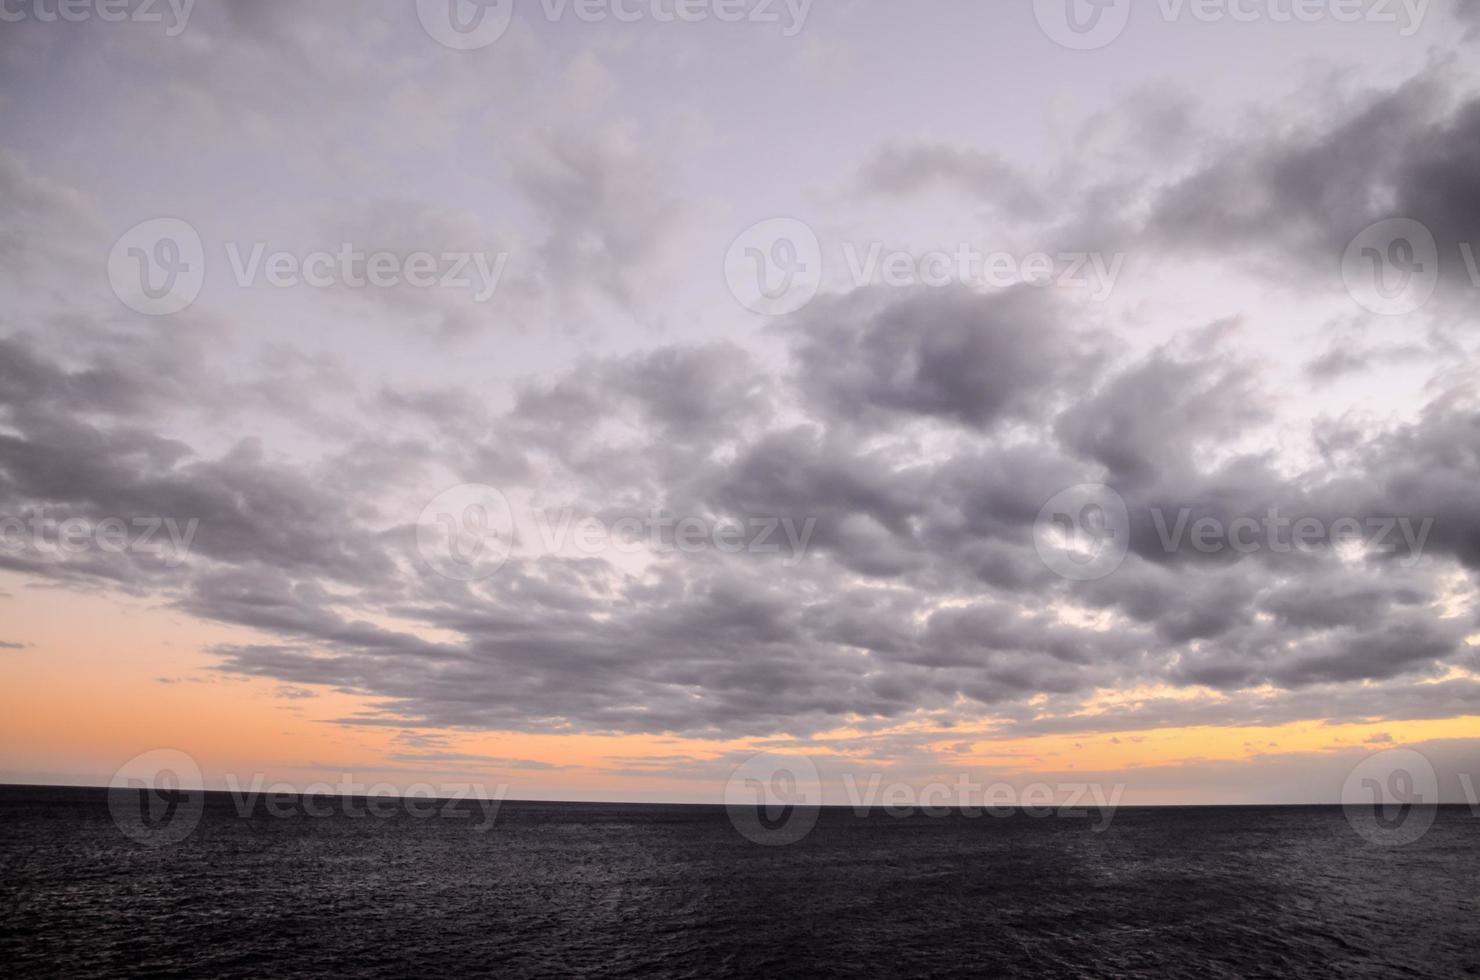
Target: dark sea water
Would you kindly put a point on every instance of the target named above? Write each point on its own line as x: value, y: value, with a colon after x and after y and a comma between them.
x: 561, y: 890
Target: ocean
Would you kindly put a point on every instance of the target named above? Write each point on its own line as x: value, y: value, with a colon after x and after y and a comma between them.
x: 588, y: 890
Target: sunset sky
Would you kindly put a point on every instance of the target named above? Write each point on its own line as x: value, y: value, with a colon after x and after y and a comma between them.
x: 869, y: 458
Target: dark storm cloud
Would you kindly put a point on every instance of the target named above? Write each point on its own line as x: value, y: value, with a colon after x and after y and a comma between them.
x: 1284, y: 197
x: 695, y: 397
x: 78, y: 449
x: 945, y: 354
x: 1147, y: 423
x: 1299, y: 189
x: 1338, y: 601
x: 1304, y: 193
x: 1429, y: 468
x: 861, y: 504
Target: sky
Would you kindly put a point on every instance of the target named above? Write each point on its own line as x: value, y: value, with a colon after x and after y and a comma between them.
x: 591, y: 397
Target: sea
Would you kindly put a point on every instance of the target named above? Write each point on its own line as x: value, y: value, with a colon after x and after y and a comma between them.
x: 619, y: 890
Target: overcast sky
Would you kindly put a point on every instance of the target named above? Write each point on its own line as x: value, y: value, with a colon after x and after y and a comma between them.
x: 592, y: 396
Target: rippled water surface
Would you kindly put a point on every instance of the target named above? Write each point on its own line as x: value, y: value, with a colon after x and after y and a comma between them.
x: 564, y: 890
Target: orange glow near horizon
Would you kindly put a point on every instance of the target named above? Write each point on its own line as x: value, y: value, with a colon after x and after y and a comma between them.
x: 81, y: 698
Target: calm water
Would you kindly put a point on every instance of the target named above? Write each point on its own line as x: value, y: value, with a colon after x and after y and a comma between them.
x: 563, y: 890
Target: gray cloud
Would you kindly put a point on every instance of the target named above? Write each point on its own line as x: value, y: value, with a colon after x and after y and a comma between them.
x: 921, y: 431
x: 902, y: 170
x: 941, y: 354
x: 921, y: 591
x: 1293, y: 200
